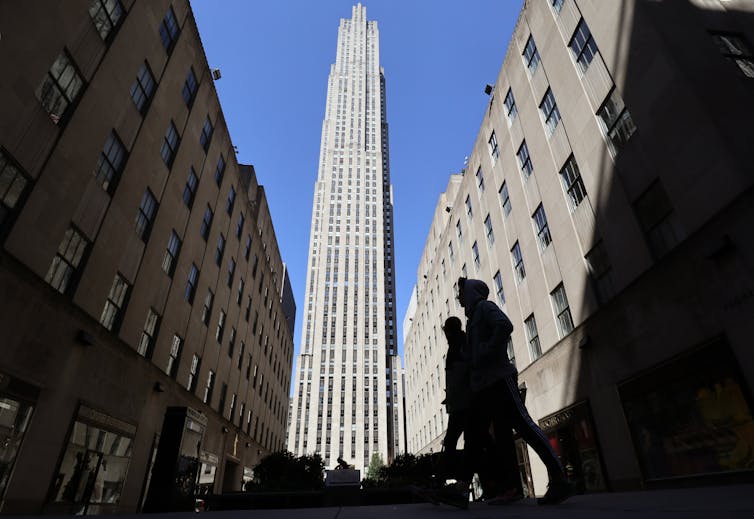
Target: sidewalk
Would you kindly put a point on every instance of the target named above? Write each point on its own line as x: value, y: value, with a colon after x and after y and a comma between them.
x: 735, y: 501
x: 707, y: 503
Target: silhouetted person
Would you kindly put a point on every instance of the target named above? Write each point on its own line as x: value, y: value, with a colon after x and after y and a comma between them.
x: 457, y: 393
x: 496, y: 398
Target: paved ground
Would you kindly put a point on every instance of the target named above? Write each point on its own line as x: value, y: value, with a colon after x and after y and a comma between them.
x: 709, y: 503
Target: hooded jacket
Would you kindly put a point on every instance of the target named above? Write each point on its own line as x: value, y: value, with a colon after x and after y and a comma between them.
x: 489, y: 362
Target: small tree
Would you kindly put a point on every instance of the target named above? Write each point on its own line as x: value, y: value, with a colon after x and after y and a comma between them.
x: 376, y: 465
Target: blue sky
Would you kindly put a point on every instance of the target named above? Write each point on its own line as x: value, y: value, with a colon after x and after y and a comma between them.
x: 275, y: 57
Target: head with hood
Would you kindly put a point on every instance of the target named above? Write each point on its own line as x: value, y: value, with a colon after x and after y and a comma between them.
x: 470, y: 292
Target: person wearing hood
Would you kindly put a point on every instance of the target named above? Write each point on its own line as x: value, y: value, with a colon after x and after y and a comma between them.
x: 496, y: 399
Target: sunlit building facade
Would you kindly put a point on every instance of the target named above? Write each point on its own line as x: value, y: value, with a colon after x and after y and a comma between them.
x: 347, y: 388
x: 607, y: 204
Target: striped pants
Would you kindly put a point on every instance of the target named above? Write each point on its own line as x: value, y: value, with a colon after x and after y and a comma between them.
x: 500, y: 406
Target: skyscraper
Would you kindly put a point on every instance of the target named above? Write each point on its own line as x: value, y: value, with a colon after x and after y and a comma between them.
x: 346, y: 394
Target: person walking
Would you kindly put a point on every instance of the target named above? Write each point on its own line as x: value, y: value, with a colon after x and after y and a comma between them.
x: 496, y: 399
x: 458, y: 405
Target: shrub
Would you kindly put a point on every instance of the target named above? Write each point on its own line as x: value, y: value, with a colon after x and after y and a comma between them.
x: 284, y: 471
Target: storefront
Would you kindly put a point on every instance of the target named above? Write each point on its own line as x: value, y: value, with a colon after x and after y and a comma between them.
x: 572, y: 436
x: 94, y: 466
x: 17, y: 400
x: 691, y: 416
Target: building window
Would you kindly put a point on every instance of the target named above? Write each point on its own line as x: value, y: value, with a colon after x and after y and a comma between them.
x: 60, y: 88
x: 459, y: 231
x: 231, y: 341
x: 110, y: 163
x: 239, y: 296
x: 207, y: 308
x: 735, y: 48
x: 657, y: 219
x: 220, y: 170
x: 469, y: 211
x: 189, y: 88
x: 557, y: 5
x: 189, y: 192
x: 562, y: 311
x: 582, y: 45
x: 145, y: 215
x: 247, y: 247
x: 540, y: 225
x: 174, y: 357
x: 518, y: 262
x: 524, y: 160
x: 112, y: 313
x: 14, y: 186
x: 240, y: 357
x: 206, y: 136
x: 510, y: 105
x: 220, y: 250
x: 171, y: 253
x: 231, y: 200
x: 193, y: 278
x: 550, y: 112
x: 231, y: 271
x: 494, y: 150
x: 106, y: 15
x: 475, y: 254
x: 143, y: 88
x: 221, y: 403
x: 600, y: 270
x: 480, y: 179
x: 193, y: 373
x: 220, y: 327
x: 499, y: 288
x: 239, y: 225
x: 488, y: 230
x: 206, y: 223
x: 532, y: 336
x: 170, y: 145
x: 149, y: 334
x: 572, y: 182
x: 64, y: 271
x: 209, y: 387
x: 615, y: 121
x: 169, y: 30
x: 531, y: 56
x: 505, y: 199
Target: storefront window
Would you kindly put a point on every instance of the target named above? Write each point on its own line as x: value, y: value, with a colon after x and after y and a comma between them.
x: 14, y: 420
x: 571, y: 434
x: 690, y: 416
x: 207, y: 473
x: 93, y: 469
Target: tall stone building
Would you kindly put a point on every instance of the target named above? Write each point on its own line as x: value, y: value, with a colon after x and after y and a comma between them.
x: 608, y: 205
x: 141, y: 281
x: 347, y: 391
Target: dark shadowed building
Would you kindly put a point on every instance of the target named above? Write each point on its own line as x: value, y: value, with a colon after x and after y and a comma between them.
x: 145, y: 348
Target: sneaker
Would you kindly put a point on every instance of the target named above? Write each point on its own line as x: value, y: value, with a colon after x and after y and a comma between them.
x: 509, y: 496
x: 557, y: 492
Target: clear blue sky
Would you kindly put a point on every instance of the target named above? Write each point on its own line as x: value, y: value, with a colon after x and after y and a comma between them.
x: 275, y: 57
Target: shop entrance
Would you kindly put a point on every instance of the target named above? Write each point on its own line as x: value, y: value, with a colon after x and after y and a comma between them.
x: 571, y: 434
x: 232, y: 476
